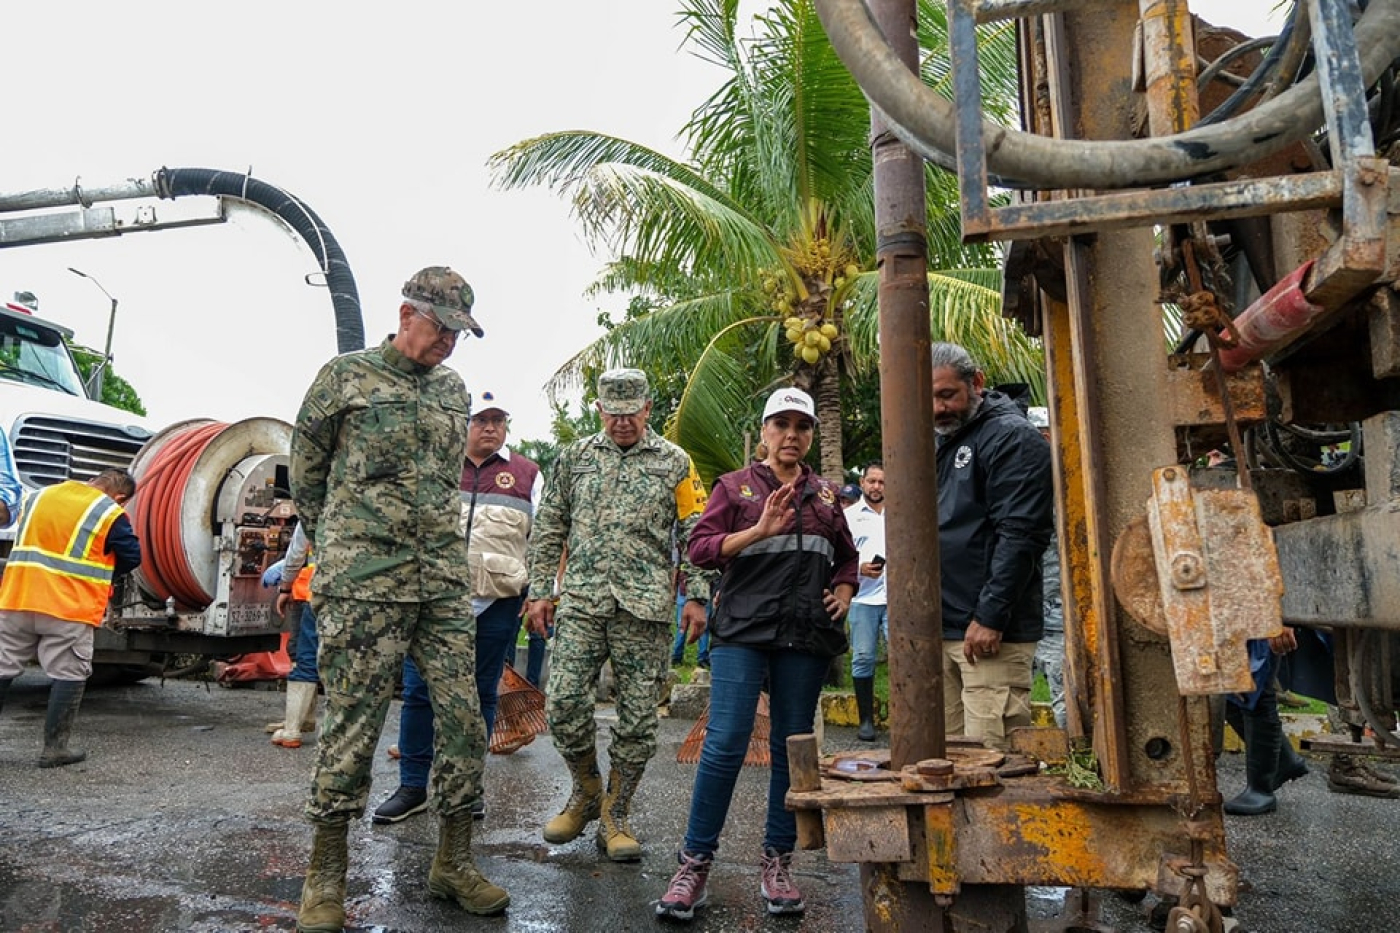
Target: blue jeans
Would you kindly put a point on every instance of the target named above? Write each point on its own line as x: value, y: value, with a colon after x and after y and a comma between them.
x: 496, y: 629
x: 702, y: 646
x: 534, y: 658
x: 737, y: 675
x: 304, y: 664
x: 866, y: 622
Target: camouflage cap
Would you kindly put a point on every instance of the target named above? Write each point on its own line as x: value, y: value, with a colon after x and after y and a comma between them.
x: 623, y: 391
x: 448, y: 293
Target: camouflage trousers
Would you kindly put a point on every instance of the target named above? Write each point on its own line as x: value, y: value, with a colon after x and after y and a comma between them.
x: 363, y: 644
x: 639, y: 649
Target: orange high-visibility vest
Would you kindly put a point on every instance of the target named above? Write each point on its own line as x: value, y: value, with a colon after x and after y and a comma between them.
x: 59, y: 565
x: 301, y: 586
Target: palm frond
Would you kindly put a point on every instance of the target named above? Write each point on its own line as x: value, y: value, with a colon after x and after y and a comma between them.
x: 661, y: 340
x: 718, y: 404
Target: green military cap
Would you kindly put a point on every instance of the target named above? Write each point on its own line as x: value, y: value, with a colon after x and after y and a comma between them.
x: 623, y: 391
x: 448, y: 293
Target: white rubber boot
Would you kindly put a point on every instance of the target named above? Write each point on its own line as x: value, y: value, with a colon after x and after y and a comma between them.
x: 301, y: 709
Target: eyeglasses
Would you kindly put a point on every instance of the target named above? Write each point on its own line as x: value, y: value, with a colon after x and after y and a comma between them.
x: 495, y: 421
x: 442, y: 329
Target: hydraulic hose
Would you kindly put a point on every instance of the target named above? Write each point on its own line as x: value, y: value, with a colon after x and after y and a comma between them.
x: 919, y: 113
x: 156, y: 516
x: 345, y: 298
x: 1256, y: 80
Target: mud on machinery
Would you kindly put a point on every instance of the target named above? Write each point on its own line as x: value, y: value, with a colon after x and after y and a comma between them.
x: 1272, y: 226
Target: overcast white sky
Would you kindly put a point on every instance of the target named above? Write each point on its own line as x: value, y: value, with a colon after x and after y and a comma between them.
x: 382, y: 122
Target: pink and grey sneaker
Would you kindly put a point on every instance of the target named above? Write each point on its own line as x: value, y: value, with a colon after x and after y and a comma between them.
x: 778, y: 890
x: 687, y: 890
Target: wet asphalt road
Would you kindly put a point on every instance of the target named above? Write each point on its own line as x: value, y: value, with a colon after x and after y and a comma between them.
x: 185, y: 818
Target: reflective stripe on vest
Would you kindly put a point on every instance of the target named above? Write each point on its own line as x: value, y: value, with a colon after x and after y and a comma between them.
x: 59, y: 565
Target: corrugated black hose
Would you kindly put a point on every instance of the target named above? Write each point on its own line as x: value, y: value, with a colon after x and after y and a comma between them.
x: 345, y: 298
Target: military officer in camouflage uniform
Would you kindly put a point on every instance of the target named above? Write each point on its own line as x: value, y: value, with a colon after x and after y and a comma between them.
x: 376, y: 462
x: 611, y: 504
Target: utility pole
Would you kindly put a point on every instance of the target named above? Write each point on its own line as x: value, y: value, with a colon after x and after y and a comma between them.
x: 100, y: 377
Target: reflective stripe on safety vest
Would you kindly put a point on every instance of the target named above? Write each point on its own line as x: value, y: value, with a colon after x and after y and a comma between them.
x: 59, y: 565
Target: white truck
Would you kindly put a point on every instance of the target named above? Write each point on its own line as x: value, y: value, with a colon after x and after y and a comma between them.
x: 212, y: 507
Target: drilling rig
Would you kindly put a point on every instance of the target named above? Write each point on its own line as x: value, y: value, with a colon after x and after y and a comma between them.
x: 1255, y: 201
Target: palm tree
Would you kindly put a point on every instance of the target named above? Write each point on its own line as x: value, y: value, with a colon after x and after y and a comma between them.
x: 756, y: 255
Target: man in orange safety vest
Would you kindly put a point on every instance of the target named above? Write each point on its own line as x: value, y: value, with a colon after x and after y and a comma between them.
x: 72, y: 540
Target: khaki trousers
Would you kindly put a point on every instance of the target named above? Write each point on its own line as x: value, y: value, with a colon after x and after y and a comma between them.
x: 988, y: 699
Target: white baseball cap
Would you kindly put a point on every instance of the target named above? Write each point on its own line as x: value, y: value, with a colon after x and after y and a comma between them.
x: 486, y: 401
x: 794, y: 400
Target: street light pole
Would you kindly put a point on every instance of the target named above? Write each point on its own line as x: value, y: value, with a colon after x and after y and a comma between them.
x: 111, y: 324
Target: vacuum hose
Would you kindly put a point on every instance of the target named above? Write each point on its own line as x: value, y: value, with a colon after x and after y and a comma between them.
x: 349, y: 326
x: 156, y: 517
x: 192, y: 484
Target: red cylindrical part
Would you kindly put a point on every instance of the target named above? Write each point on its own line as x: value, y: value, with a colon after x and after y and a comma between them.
x: 1273, y: 321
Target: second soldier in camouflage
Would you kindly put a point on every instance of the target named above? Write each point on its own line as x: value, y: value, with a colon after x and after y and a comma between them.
x: 613, y: 503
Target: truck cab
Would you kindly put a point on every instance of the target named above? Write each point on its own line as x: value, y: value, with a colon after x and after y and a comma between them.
x: 56, y: 431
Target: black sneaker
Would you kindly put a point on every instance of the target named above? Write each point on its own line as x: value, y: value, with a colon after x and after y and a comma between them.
x: 405, y: 802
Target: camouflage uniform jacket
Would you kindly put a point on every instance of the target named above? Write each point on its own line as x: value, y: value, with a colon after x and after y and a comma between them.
x: 614, y: 511
x: 376, y: 463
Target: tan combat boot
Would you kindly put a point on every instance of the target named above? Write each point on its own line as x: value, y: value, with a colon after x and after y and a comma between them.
x: 614, y: 832
x: 454, y: 875
x: 585, y: 803
x: 323, y: 894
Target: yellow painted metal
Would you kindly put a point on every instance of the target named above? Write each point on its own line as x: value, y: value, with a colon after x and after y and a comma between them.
x: 941, y: 839
x: 1169, y: 64
x: 1082, y: 620
x: 1218, y: 575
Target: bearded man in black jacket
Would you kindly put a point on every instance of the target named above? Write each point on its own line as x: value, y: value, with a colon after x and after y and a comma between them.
x: 995, y: 516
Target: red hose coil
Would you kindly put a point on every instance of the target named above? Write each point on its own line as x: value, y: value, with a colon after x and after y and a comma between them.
x: 156, y: 508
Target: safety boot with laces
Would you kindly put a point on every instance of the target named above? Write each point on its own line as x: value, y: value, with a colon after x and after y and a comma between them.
x: 778, y: 890
x: 322, y: 907
x: 585, y: 802
x: 1349, y: 776
x: 687, y: 889
x: 615, y: 836
x: 454, y: 875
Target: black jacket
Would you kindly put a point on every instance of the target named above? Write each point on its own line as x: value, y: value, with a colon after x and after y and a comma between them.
x: 995, y: 517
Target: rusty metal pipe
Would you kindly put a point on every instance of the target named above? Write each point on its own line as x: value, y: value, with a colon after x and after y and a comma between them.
x: 906, y: 419
x: 1275, y: 320
x: 1169, y: 55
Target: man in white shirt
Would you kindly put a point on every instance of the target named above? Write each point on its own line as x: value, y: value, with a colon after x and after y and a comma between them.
x: 867, y: 613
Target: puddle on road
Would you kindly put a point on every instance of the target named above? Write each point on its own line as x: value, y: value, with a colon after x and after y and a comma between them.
x: 236, y: 882
x: 29, y: 906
